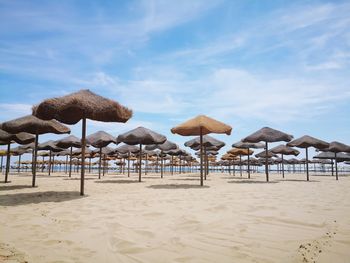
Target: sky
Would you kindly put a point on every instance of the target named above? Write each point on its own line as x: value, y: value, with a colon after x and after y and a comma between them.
x: 250, y: 64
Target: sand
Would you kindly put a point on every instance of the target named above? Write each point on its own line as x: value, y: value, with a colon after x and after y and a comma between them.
x: 231, y: 219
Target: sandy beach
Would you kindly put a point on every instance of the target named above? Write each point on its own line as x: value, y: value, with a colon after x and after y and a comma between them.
x: 230, y: 219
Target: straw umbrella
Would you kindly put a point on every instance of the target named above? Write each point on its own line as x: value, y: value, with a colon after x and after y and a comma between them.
x: 337, y: 147
x: 199, y: 126
x: 127, y: 149
x: 35, y: 126
x: 141, y: 136
x: 166, y: 146
x: 8, y: 138
x: 78, y: 106
x: 306, y: 142
x: 246, y: 145
x: 284, y: 150
x: 69, y: 142
x: 100, y: 140
x: 267, y: 135
x: 51, y: 147
x: 240, y: 152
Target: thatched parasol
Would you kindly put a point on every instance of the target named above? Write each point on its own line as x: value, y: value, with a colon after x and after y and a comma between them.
x: 69, y: 142
x: 166, y: 146
x: 199, y: 126
x: 128, y: 150
x: 306, y: 142
x: 284, y: 150
x: 141, y: 136
x: 100, y: 140
x: 337, y: 147
x: 8, y: 138
x: 78, y: 106
x: 239, y: 152
x: 33, y: 125
x: 246, y: 145
x: 267, y: 135
x: 51, y: 147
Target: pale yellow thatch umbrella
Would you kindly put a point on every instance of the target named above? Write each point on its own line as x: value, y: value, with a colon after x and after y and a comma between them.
x: 199, y: 126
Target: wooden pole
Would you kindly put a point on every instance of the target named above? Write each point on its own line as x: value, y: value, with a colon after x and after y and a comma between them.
x: 248, y: 164
x: 140, y: 160
x: 336, y: 166
x: 282, y: 166
x: 35, y: 156
x: 83, y: 143
x: 19, y: 163
x: 128, y: 164
x: 99, y: 164
x: 307, y: 164
x: 266, y: 162
x: 201, y: 154
x: 8, y: 156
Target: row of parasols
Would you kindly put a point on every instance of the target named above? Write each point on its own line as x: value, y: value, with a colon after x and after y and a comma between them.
x: 50, y: 116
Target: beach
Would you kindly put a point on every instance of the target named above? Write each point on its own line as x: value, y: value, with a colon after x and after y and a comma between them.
x: 230, y: 219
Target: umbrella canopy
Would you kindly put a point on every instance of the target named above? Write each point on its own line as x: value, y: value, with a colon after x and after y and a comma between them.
x: 284, y: 150
x: 263, y: 155
x: 8, y: 138
x: 201, y: 125
x: 82, y: 105
x: 100, y: 139
x: 126, y: 148
x: 49, y: 146
x: 247, y: 145
x: 208, y: 141
x: 239, y: 151
x: 267, y: 135
x: 166, y: 146
x: 307, y: 141
x: 34, y: 125
x: 69, y: 141
x: 338, y: 147
x: 141, y: 136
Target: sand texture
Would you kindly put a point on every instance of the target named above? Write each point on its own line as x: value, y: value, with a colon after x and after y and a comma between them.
x: 230, y: 219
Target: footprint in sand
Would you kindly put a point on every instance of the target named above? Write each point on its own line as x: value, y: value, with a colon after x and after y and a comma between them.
x: 10, y: 254
x: 310, y: 251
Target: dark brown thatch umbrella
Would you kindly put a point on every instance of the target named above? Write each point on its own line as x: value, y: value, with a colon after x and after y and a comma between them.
x: 78, y: 106
x: 33, y: 125
x: 306, y: 142
x: 284, y: 150
x: 100, y: 140
x: 8, y: 138
x: 199, y: 126
x: 267, y: 135
x: 51, y: 147
x: 246, y: 145
x: 128, y: 150
x: 166, y: 146
x: 337, y: 147
x: 69, y: 142
x: 141, y: 136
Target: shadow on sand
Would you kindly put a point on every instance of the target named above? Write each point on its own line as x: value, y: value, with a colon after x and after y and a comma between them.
x: 78, y: 178
x: 247, y: 181
x: 177, y: 186
x: 38, y: 197
x: 188, y: 179
x: 14, y: 187
x: 298, y: 180
x: 117, y: 181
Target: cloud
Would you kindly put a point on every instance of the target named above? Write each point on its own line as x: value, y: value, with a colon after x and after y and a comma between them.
x: 11, y: 111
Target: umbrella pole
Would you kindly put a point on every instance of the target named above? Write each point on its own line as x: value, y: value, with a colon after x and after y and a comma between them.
x: 70, y: 161
x: 90, y: 165
x: 172, y: 165
x: 8, y: 161
x: 336, y: 166
x: 2, y: 159
x: 161, y: 164
x: 201, y: 154
x: 49, y: 168
x: 66, y: 165
x: 99, y: 164
x: 83, y: 144
x: 104, y: 166
x: 128, y: 164
x: 140, y: 160
x: 146, y: 164
x: 282, y: 166
x: 19, y: 163
x: 248, y: 165
x: 266, y: 162
x: 35, y: 156
x: 240, y: 164
x: 307, y: 164
x: 53, y: 163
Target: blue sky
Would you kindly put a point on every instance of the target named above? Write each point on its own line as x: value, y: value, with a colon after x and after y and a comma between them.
x: 283, y: 64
